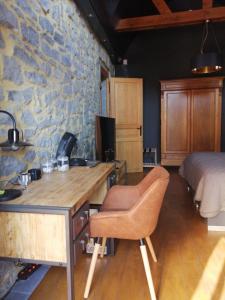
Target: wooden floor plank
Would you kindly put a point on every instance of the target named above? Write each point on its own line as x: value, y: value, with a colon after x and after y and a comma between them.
x: 182, y: 245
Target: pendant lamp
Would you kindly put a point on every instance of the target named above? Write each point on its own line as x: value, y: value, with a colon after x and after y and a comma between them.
x: 207, y: 62
x: 13, y: 142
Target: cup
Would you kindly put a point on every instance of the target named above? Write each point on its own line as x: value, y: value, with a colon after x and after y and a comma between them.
x: 35, y: 174
x: 47, y: 167
x: 24, y: 179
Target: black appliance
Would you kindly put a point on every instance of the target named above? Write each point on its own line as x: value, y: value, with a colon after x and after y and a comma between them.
x: 9, y: 194
x: 68, y: 141
x: 105, y: 138
x: 78, y: 162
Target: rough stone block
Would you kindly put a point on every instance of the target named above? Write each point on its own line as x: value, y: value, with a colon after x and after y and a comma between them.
x: 45, y: 123
x: 68, y: 91
x: 45, y: 4
x: 22, y: 54
x: 30, y: 156
x: 5, y: 120
x: 7, y: 18
x: 50, y: 52
x: 51, y: 97
x: 28, y: 118
x: 59, y: 74
x: 12, y: 70
x: 46, y: 68
x: 48, y: 39
x: 10, y: 165
x: 60, y: 104
x: 44, y: 142
x: 55, y: 12
x: 68, y: 76
x: 36, y: 78
x: 30, y: 34
x: 66, y: 61
x: 2, y: 42
x: 46, y: 25
x: 56, y: 138
x: 1, y: 94
x: 58, y: 38
x: 3, y: 133
x: 72, y: 107
x: 29, y: 133
x: 26, y: 9
x: 23, y: 97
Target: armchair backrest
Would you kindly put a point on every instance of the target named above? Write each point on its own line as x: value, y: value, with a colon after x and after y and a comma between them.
x: 155, y: 173
x: 146, y: 210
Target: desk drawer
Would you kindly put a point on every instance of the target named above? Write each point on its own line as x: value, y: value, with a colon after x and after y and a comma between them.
x: 80, y: 219
x: 80, y: 243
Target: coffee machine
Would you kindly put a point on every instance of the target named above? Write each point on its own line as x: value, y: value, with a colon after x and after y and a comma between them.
x: 66, y: 144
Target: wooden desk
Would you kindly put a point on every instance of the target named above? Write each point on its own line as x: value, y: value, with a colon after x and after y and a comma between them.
x: 42, y: 225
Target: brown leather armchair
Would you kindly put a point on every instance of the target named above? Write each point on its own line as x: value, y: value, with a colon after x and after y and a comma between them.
x: 130, y: 212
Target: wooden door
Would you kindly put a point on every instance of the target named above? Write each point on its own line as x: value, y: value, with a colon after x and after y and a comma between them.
x: 126, y: 105
x: 205, y: 120
x: 175, y: 126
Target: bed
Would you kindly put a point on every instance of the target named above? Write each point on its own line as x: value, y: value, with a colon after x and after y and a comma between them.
x: 205, y: 173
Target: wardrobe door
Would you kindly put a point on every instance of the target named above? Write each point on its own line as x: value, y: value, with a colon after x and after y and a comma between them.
x: 205, y: 120
x: 175, y: 122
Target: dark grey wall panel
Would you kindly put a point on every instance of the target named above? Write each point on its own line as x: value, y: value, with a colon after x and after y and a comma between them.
x: 166, y: 54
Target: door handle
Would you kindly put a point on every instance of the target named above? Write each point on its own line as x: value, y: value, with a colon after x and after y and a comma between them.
x: 140, y: 128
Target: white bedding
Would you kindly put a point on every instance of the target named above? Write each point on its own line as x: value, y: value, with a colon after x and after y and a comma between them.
x: 205, y: 173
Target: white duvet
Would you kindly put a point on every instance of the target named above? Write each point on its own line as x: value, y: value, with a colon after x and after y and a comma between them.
x: 205, y: 173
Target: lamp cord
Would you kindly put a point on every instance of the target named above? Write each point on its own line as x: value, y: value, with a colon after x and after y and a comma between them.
x: 205, y: 34
x: 11, y: 116
x: 214, y: 35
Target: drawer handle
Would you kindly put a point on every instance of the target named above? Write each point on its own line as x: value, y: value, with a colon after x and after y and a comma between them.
x: 86, y: 212
x: 82, y: 220
x: 82, y: 243
x: 87, y: 236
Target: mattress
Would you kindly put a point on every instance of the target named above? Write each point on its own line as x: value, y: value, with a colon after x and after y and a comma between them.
x: 205, y: 173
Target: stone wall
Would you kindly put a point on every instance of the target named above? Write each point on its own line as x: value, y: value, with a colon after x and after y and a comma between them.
x: 49, y: 78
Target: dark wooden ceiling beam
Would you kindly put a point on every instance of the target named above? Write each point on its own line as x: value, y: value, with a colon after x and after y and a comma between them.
x: 216, y: 14
x: 207, y: 3
x: 162, y: 7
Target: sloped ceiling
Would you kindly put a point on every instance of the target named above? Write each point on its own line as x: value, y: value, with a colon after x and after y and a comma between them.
x: 117, y: 22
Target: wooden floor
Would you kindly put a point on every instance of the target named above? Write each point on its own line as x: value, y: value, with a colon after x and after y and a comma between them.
x: 182, y: 245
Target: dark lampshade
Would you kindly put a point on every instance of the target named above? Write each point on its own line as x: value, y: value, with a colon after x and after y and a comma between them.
x: 13, y: 142
x: 205, y: 63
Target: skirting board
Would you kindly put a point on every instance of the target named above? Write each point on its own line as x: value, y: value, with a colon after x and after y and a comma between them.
x: 217, y: 223
x: 216, y: 228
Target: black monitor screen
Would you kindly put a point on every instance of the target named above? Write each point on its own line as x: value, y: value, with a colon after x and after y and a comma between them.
x: 105, y: 138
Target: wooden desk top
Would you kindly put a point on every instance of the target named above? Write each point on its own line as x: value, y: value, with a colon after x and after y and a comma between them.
x: 63, y: 189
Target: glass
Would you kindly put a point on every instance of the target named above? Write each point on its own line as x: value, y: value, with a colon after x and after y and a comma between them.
x: 54, y: 163
x: 63, y: 163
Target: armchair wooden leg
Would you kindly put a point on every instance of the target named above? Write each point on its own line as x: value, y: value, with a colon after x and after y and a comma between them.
x: 103, y: 247
x: 91, y: 270
x: 147, y: 271
x: 151, y: 249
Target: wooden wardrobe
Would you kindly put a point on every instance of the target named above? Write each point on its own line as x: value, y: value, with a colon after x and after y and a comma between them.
x: 190, y: 117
